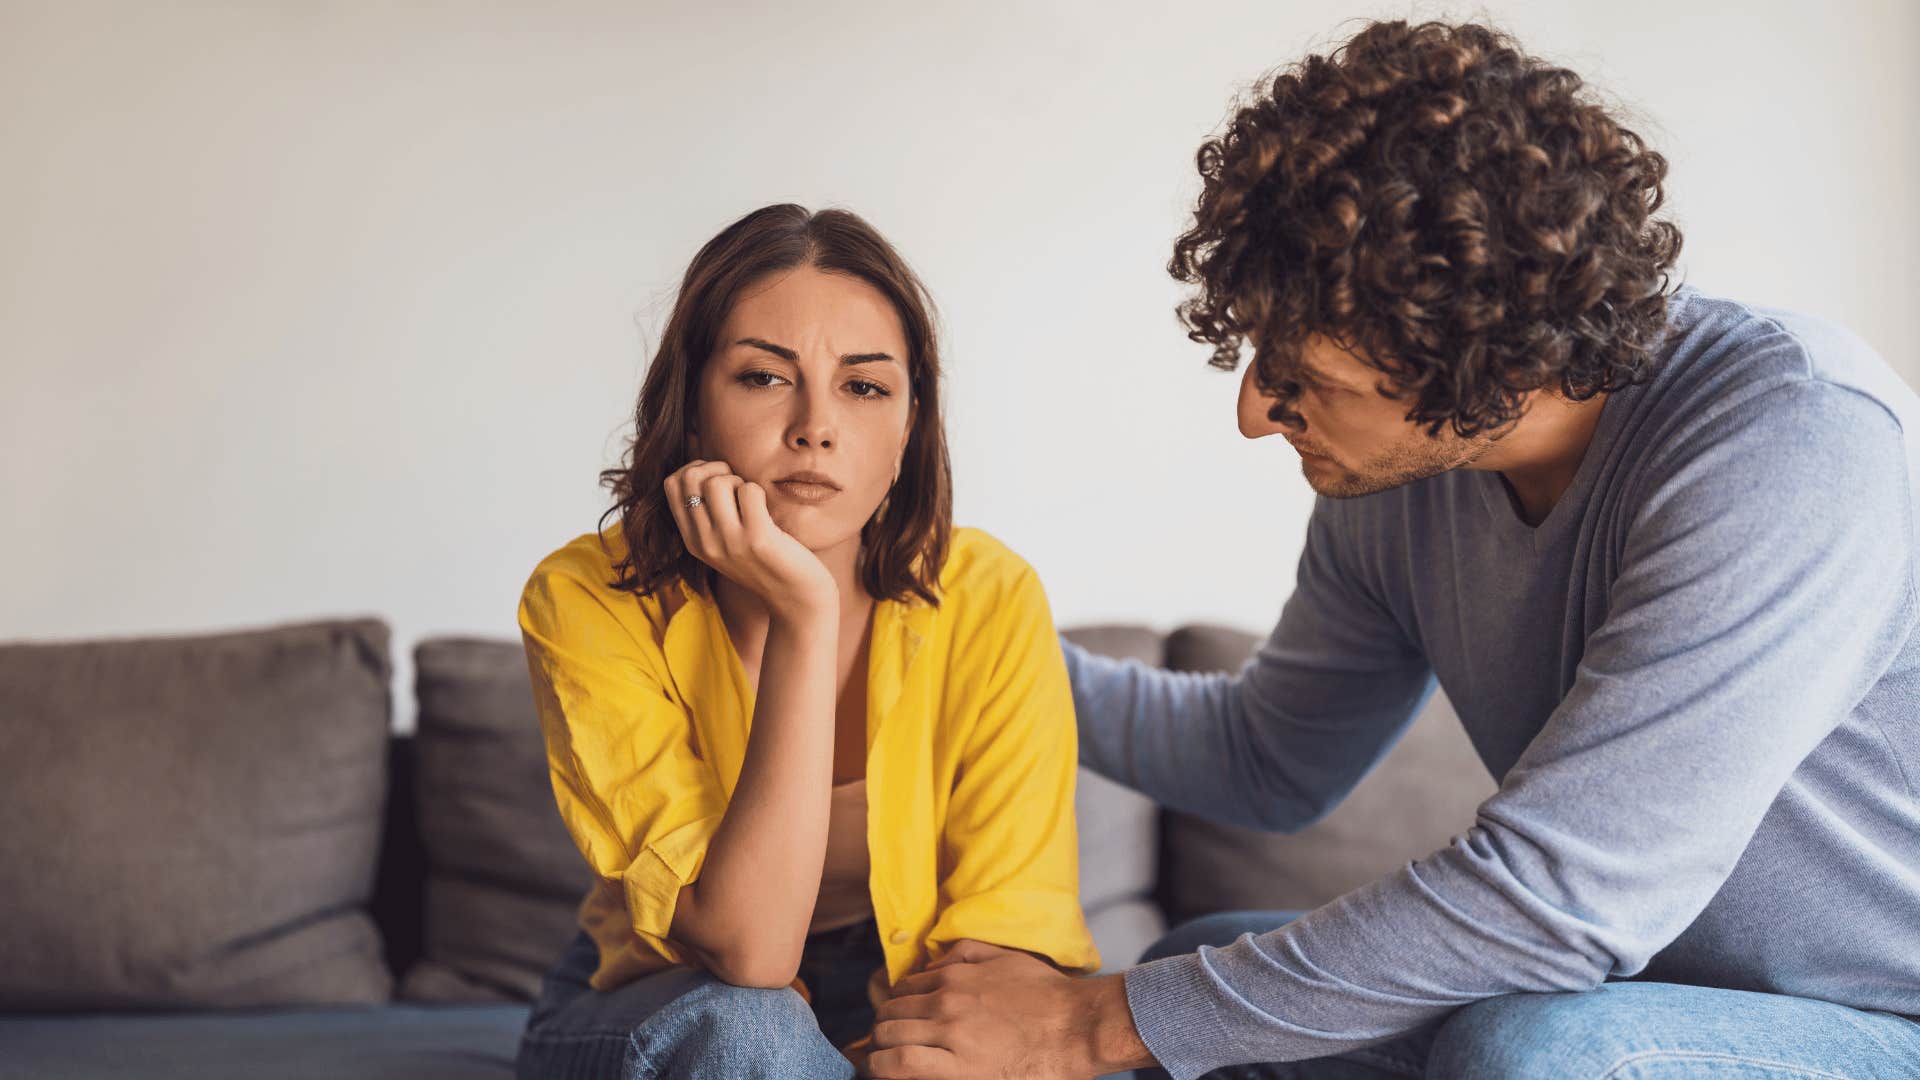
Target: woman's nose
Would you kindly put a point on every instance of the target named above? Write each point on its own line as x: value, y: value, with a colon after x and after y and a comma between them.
x: 813, y: 424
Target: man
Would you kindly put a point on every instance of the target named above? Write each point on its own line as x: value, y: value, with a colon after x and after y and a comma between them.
x: 1658, y: 548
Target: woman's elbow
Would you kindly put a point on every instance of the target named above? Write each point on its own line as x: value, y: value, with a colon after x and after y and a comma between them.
x: 758, y: 968
x: 736, y: 947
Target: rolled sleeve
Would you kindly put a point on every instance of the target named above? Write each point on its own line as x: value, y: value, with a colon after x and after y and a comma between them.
x: 640, y: 804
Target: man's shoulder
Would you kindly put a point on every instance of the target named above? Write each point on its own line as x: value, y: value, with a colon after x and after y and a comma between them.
x: 1770, y: 418
x: 1728, y: 359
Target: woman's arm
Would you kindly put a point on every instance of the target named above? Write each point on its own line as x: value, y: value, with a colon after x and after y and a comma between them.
x: 745, y: 917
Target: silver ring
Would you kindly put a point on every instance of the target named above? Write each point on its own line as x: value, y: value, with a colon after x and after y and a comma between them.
x: 694, y: 501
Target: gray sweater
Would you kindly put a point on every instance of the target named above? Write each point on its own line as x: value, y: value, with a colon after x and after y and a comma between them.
x: 1697, y: 683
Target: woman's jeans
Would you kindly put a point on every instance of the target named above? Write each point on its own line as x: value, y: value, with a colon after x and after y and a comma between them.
x: 1618, y: 1031
x: 685, y: 1023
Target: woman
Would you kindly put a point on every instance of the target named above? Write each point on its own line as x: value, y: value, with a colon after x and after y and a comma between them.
x: 809, y: 735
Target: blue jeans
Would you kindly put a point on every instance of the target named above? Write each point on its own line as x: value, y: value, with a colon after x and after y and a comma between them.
x: 1617, y: 1031
x: 685, y: 1023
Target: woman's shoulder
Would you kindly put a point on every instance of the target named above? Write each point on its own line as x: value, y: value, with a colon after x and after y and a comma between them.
x: 581, y: 574
x: 981, y: 570
x: 588, y: 558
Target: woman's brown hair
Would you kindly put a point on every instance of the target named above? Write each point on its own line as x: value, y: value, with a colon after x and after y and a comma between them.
x: 1448, y: 207
x: 904, y: 545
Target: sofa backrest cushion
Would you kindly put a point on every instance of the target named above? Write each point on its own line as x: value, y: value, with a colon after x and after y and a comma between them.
x: 1424, y: 792
x: 1119, y: 828
x: 504, y: 880
x: 191, y: 822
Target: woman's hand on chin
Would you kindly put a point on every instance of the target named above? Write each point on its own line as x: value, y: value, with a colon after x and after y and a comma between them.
x: 730, y: 530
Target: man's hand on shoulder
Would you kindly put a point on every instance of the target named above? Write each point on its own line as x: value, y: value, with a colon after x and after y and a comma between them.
x: 985, y: 1011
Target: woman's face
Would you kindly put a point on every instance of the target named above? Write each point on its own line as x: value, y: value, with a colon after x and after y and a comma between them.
x: 807, y: 395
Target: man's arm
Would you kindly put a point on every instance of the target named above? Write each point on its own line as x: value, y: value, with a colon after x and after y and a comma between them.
x: 1764, y: 587
x: 1281, y: 742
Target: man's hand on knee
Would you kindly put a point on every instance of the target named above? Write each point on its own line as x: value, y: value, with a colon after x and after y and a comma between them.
x: 983, y: 1010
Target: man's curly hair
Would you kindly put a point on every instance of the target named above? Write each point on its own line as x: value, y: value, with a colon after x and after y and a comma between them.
x: 1446, y: 206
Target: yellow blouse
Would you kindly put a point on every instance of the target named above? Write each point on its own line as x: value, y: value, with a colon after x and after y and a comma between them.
x: 971, y: 755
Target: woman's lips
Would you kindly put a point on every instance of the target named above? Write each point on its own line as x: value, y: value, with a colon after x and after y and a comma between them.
x: 806, y: 491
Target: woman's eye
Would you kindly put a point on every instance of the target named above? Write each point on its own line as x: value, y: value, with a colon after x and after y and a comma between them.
x: 760, y: 379
x: 862, y: 388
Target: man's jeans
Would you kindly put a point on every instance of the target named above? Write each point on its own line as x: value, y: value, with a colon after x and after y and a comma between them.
x: 1617, y: 1031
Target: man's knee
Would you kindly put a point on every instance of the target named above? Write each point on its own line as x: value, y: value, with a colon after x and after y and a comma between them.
x: 1216, y: 930
x: 1518, y: 1036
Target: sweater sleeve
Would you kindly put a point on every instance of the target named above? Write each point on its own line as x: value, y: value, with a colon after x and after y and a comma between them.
x: 1279, y: 743
x: 1764, y: 586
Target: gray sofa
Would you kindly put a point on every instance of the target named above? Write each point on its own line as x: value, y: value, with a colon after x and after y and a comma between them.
x: 218, y: 860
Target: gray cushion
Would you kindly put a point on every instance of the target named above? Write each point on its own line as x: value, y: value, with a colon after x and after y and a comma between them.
x: 392, y: 1042
x: 1119, y: 842
x: 504, y: 880
x: 192, y: 821
x: 1122, y: 642
x: 1424, y: 792
x: 1119, y: 828
x: 1203, y: 647
x: 1122, y: 931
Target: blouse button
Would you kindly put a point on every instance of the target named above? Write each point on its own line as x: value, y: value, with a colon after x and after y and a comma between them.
x: 900, y: 937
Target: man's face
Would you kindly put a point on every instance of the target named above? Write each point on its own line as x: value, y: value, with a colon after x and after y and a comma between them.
x: 1352, y: 439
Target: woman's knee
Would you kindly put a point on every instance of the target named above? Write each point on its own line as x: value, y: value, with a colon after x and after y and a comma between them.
x: 681, y: 1023
x: 1219, y: 929
x: 742, y: 1010
x: 717, y: 1029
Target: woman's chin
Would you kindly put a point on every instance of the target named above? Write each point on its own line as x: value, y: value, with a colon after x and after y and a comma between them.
x: 805, y: 524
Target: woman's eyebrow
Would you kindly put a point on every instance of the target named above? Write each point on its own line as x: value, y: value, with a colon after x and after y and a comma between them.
x: 790, y: 356
x: 780, y: 351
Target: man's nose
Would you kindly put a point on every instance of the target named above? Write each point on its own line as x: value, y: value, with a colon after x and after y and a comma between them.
x: 1256, y: 409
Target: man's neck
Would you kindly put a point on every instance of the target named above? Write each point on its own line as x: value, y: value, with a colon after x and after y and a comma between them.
x: 1541, y: 454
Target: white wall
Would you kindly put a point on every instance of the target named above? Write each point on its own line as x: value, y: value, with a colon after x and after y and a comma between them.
x: 310, y: 309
